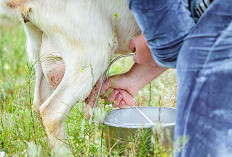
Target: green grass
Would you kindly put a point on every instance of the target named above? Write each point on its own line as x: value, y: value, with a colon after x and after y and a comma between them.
x: 22, y: 134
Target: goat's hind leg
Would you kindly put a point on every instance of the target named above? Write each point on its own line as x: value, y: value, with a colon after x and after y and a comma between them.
x: 74, y: 86
x: 82, y: 69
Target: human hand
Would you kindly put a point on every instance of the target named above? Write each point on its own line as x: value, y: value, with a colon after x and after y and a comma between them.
x: 118, y: 90
x: 115, y: 90
x: 143, y: 53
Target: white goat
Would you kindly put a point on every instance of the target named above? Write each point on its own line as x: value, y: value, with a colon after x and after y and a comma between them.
x: 84, y: 33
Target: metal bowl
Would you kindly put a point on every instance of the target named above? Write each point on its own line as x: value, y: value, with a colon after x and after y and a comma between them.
x: 123, y: 125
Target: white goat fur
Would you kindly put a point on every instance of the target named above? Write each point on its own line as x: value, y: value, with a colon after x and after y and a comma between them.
x: 85, y: 33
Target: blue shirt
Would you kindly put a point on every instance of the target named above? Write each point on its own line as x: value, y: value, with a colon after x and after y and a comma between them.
x: 165, y: 24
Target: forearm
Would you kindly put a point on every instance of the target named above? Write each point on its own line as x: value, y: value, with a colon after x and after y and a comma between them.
x: 141, y: 75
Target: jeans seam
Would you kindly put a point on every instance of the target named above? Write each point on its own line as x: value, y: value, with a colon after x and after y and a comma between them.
x: 213, y: 48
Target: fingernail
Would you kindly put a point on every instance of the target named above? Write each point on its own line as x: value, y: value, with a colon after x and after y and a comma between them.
x: 116, y: 92
x: 122, y: 103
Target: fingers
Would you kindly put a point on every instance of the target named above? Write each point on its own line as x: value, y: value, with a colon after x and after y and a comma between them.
x: 134, y: 42
x: 106, y: 91
x: 92, y: 96
x: 121, y: 98
x: 122, y: 104
x: 118, y: 100
x: 105, y: 87
x: 127, y: 99
x: 112, y: 97
x: 117, y: 97
x: 111, y: 93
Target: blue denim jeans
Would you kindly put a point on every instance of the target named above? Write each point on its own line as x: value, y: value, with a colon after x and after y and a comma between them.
x: 204, y: 72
